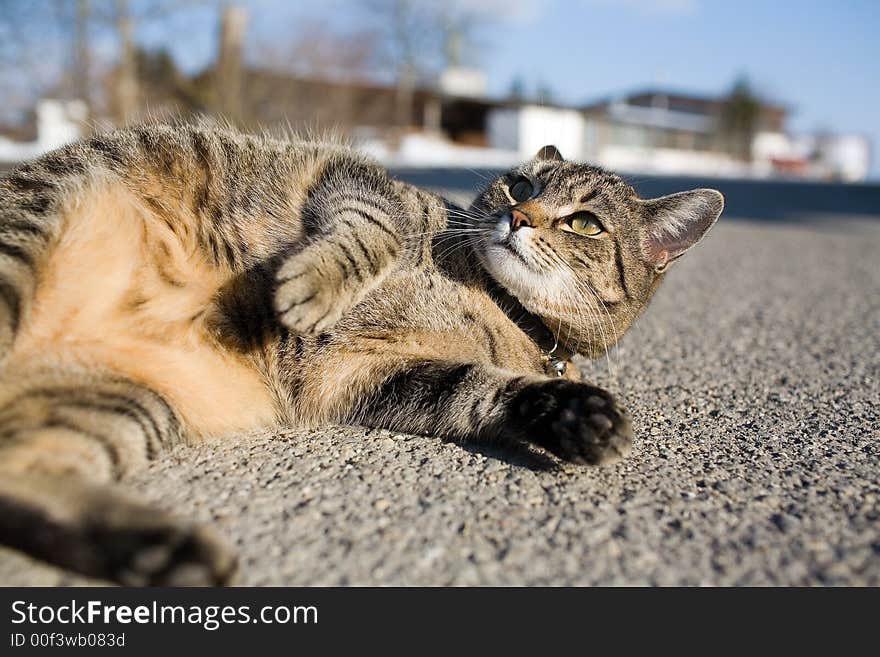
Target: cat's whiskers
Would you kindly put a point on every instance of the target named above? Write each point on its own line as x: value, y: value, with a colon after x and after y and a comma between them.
x: 597, y: 303
x: 586, y: 294
x: 569, y: 303
x: 570, y: 278
x: 468, y: 214
x: 462, y: 241
x: 481, y: 176
x: 459, y: 232
x: 578, y: 307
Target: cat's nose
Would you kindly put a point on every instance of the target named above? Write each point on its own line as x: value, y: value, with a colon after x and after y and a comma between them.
x: 518, y: 219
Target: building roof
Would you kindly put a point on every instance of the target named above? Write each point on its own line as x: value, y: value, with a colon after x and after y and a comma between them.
x: 677, y: 101
x: 674, y: 110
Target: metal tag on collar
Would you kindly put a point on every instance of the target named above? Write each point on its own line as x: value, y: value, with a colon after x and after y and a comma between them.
x: 558, y: 366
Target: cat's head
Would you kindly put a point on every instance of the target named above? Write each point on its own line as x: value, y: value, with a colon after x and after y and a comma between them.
x: 578, y: 248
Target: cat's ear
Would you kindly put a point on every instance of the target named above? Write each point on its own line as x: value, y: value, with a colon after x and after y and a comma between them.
x: 675, y: 223
x: 549, y: 152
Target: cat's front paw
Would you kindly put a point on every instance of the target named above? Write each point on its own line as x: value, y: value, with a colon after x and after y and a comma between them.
x: 575, y: 421
x: 310, y: 296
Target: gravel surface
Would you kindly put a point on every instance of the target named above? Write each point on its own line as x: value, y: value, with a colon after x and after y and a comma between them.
x: 753, y: 382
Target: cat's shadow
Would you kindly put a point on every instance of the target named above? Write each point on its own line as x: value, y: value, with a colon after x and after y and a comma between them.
x: 520, y: 456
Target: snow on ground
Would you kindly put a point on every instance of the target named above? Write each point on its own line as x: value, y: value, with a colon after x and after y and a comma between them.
x: 422, y: 150
x: 58, y: 123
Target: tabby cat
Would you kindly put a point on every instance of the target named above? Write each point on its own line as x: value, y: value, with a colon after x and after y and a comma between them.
x: 170, y: 284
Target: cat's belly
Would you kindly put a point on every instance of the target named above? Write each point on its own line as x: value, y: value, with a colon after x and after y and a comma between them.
x: 123, y: 293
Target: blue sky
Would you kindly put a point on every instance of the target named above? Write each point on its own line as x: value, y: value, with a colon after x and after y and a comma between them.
x: 818, y: 58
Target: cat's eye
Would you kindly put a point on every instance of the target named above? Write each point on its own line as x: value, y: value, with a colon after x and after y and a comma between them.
x: 584, y: 223
x: 521, y: 190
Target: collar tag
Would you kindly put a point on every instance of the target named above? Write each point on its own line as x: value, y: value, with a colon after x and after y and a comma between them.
x: 558, y: 366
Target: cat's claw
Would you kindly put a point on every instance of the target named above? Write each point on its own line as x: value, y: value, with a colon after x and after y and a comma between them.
x: 576, y: 422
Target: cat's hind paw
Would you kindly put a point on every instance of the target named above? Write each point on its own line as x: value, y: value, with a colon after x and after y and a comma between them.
x: 97, y: 532
x: 168, y: 553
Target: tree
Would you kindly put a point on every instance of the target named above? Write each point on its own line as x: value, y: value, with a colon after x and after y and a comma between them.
x: 517, y: 89
x: 418, y: 38
x: 544, y: 94
x: 37, y: 48
x: 82, y: 56
x: 311, y: 80
x: 126, y: 18
x: 411, y: 45
x: 126, y: 87
x: 739, y: 120
x: 48, y: 47
x: 229, y: 62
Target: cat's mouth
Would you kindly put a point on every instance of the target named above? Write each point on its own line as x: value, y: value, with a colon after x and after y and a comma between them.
x: 505, y: 240
x: 509, y: 246
x: 507, y: 259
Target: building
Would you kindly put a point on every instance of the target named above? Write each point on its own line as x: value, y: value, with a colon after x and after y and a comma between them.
x: 824, y: 156
x: 456, y: 124
x: 644, y: 131
x: 673, y: 133
x: 56, y: 124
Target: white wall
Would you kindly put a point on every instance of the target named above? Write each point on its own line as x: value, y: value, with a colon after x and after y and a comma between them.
x: 540, y: 126
x: 461, y: 81
x: 769, y: 145
x: 840, y: 156
x: 849, y: 156
x: 669, y: 161
x: 502, y: 129
x: 528, y: 128
x: 58, y: 123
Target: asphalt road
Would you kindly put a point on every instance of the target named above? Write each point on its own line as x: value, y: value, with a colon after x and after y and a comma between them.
x: 753, y: 381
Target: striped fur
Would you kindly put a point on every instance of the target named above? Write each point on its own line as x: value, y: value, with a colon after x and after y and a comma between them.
x: 169, y: 284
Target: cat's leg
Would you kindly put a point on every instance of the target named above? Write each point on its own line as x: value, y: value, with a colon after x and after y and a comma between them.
x: 574, y: 420
x: 64, y: 439
x: 353, y: 240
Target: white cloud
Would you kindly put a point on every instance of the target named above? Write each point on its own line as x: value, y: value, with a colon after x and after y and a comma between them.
x: 523, y: 12
x: 665, y: 7
x: 506, y: 11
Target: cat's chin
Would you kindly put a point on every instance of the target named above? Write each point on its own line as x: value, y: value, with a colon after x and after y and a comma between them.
x: 505, y: 256
x: 531, y: 288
